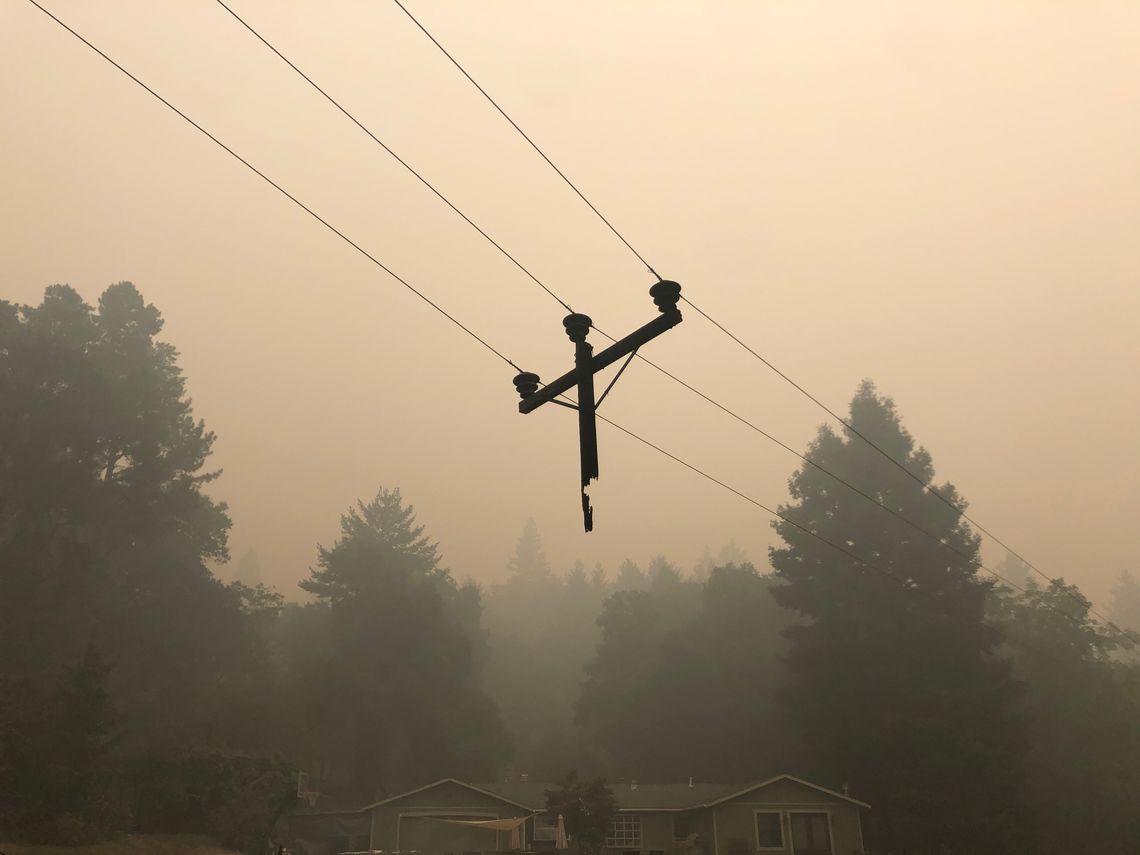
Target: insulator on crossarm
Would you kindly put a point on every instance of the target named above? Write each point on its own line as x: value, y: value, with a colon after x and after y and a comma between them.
x: 666, y: 294
x: 577, y: 326
x: 526, y: 384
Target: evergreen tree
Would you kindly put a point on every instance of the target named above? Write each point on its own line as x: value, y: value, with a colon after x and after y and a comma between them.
x: 897, y: 684
x: 730, y: 553
x: 248, y: 571
x: 529, y: 561
x: 698, y: 660
x: 615, y: 700
x: 101, y: 461
x: 105, y: 526
x: 717, y: 681
x: 396, y: 677
x: 87, y: 723
x: 598, y: 579
x: 1083, y: 709
x: 630, y: 577
x: 541, y: 631
x: 1015, y: 570
x: 1125, y: 608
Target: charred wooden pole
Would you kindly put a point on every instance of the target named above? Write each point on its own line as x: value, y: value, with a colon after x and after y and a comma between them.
x: 577, y: 327
x: 665, y: 295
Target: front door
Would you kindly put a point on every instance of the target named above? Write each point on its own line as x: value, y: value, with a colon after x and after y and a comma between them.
x: 811, y: 834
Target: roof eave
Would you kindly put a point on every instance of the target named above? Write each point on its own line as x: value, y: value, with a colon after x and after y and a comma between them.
x: 786, y: 777
x: 463, y: 784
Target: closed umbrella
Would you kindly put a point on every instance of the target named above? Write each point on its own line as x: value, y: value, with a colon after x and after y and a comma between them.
x: 560, y: 841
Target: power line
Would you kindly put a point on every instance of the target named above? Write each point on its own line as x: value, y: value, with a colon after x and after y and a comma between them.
x: 841, y: 480
x: 434, y: 305
x: 282, y: 190
x: 549, y: 291
x: 907, y: 583
x: 927, y: 485
x: 1082, y: 601
x: 524, y: 135
x: 386, y: 148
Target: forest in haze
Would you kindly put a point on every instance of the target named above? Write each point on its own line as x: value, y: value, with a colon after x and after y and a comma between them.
x: 150, y: 683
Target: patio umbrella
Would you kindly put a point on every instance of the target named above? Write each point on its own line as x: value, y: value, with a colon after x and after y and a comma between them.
x: 560, y: 841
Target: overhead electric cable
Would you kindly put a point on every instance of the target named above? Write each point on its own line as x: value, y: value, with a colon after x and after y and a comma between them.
x: 907, y: 583
x: 434, y: 305
x: 927, y: 485
x: 281, y: 190
x: 549, y: 291
x: 910, y: 585
x: 386, y: 148
x: 524, y: 135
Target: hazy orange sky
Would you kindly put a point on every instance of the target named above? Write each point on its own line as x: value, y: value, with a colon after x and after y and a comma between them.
x: 944, y: 197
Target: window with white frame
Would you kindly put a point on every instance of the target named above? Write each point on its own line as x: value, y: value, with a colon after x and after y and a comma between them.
x: 625, y: 833
x: 769, y: 830
x: 546, y: 827
x: 681, y: 826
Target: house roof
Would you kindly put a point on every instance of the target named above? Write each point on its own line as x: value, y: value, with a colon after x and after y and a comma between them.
x: 479, y: 788
x: 629, y: 797
x: 740, y: 791
x: 531, y: 795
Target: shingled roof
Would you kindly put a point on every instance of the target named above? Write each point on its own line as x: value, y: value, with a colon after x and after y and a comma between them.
x: 531, y: 795
x: 629, y: 796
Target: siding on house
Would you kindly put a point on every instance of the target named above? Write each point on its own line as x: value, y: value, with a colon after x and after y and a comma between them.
x: 723, y: 818
x: 656, y: 831
x: 448, y: 798
x: 736, y: 819
x: 701, y: 824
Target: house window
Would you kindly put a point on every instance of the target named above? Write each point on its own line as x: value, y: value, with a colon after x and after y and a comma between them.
x: 625, y: 833
x: 681, y: 829
x: 810, y: 834
x: 546, y: 828
x: 769, y: 830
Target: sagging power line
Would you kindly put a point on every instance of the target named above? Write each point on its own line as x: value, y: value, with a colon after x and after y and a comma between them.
x: 502, y: 250
x: 280, y: 189
x: 907, y: 583
x: 928, y: 486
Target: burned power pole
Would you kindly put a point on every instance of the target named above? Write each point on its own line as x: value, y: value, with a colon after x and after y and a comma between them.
x: 665, y: 295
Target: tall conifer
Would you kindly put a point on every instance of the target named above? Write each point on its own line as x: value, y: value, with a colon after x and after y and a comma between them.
x: 896, y: 681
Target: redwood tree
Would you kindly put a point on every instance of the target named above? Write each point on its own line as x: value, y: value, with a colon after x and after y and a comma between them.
x: 896, y: 681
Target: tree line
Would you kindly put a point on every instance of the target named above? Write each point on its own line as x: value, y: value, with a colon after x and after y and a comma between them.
x: 140, y: 691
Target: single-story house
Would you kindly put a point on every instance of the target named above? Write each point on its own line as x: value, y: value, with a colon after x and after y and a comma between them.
x: 783, y: 814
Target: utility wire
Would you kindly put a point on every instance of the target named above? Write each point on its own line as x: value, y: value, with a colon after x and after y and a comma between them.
x: 927, y: 485
x: 524, y: 135
x: 905, y: 582
x: 549, y: 291
x: 386, y: 148
x: 840, y: 479
x: 350, y: 242
x: 282, y: 190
